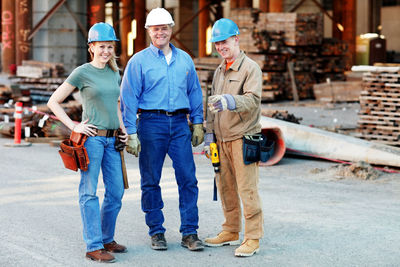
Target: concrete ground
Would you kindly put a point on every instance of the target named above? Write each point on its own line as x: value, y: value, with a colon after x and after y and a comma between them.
x: 310, y: 218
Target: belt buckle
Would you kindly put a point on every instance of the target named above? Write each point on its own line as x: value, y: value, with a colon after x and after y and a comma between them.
x: 169, y: 114
x: 110, y: 133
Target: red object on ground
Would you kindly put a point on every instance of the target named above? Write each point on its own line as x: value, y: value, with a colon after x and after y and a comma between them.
x: 18, y: 122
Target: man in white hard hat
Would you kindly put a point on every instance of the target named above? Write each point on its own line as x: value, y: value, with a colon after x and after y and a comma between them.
x: 160, y: 84
x: 235, y: 110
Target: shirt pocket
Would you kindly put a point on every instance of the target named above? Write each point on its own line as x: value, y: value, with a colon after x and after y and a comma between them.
x: 235, y: 85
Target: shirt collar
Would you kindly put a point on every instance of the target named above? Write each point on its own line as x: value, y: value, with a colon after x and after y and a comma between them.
x: 236, y: 64
x: 158, y: 52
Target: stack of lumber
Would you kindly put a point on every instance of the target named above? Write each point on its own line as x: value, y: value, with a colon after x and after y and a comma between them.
x: 332, y: 61
x: 299, y: 28
x: 379, y: 117
x: 40, y: 69
x: 37, y: 80
x: 268, y: 41
x: 272, y: 86
x: 38, y: 124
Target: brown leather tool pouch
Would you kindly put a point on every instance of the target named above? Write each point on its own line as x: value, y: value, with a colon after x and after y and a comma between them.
x: 73, y: 153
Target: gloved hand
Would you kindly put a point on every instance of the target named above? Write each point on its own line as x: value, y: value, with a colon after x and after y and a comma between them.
x: 198, y: 134
x: 208, y: 139
x: 133, y: 145
x: 218, y: 103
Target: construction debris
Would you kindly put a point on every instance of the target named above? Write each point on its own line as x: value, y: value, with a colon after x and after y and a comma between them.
x: 280, y: 115
x: 359, y: 170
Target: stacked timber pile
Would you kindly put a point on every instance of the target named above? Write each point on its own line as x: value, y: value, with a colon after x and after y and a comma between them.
x: 39, y: 121
x: 278, y: 39
x: 379, y: 117
x: 36, y: 81
x: 301, y: 29
x: 332, y: 61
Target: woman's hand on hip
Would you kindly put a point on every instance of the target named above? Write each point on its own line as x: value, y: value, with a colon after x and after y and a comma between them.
x: 86, y: 129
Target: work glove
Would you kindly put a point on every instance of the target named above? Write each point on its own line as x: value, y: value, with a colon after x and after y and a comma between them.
x: 208, y: 139
x: 218, y: 103
x: 133, y: 145
x: 198, y: 134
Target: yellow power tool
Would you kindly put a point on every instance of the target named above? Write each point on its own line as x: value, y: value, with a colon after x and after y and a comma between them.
x: 214, y: 157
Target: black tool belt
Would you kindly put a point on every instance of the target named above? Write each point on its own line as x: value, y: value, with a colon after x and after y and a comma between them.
x: 257, y: 147
x: 107, y: 133
x: 160, y: 111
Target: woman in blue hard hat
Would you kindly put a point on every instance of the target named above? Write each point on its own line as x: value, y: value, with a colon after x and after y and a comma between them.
x: 98, y: 83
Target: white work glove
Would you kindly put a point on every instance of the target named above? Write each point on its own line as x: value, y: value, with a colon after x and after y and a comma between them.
x: 208, y: 139
x: 133, y: 145
x: 218, y: 103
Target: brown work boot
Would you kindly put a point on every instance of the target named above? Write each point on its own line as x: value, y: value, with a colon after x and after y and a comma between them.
x: 100, y: 255
x: 224, y: 238
x: 192, y: 242
x: 115, y: 247
x: 248, y: 248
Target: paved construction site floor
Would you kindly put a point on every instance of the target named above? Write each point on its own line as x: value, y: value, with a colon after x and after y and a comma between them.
x: 313, y: 215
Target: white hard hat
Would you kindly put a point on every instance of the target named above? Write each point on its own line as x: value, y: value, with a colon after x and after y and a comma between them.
x: 159, y: 16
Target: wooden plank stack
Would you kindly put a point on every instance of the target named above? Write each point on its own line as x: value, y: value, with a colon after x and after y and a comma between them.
x: 299, y: 28
x: 36, y: 81
x: 275, y: 39
x: 379, y: 117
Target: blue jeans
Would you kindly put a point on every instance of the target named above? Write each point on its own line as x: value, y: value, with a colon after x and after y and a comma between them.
x: 99, y: 225
x: 159, y: 135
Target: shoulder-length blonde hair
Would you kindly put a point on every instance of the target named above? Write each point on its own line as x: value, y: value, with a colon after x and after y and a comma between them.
x: 112, y: 63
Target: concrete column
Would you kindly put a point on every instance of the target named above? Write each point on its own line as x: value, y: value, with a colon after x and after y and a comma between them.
x: 264, y: 5
x: 96, y: 11
x: 245, y: 3
x: 234, y: 3
x: 23, y: 10
x: 275, y: 6
x: 203, y: 24
x: 345, y: 14
x: 7, y: 34
x: 127, y: 17
x: 140, y: 16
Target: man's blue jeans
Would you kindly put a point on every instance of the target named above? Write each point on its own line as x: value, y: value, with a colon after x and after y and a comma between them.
x: 99, y: 225
x: 159, y: 135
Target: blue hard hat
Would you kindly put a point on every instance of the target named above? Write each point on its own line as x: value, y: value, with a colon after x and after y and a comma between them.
x: 223, y: 29
x: 101, y: 32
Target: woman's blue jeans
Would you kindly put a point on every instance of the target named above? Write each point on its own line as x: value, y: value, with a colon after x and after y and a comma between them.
x: 159, y: 135
x: 99, y: 224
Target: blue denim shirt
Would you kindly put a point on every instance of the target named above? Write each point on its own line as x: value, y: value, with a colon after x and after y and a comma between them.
x: 150, y: 83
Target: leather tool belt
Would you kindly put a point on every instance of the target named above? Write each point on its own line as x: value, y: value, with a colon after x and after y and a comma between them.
x: 107, y: 133
x: 73, y: 153
x: 168, y: 113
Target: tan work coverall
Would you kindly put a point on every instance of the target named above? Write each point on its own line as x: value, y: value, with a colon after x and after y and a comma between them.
x: 237, y: 181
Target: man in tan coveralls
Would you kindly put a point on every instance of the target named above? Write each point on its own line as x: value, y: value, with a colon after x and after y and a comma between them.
x: 235, y: 111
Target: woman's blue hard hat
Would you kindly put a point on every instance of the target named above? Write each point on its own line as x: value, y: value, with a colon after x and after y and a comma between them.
x: 101, y: 32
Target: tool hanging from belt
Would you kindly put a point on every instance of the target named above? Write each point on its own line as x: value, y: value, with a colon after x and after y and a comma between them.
x: 119, y: 146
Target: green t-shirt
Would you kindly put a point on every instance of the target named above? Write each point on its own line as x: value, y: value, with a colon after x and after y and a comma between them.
x: 99, y: 89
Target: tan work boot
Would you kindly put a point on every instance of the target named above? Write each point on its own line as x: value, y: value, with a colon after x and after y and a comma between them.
x: 222, y: 239
x: 248, y: 248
